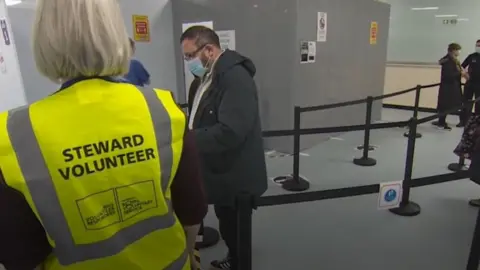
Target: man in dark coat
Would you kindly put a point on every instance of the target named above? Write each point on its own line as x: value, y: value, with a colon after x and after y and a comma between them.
x: 450, y: 91
x: 226, y: 121
x: 472, y: 86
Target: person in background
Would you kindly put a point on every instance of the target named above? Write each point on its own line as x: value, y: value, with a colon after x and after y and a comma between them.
x: 86, y: 184
x: 450, y: 90
x: 472, y: 86
x: 137, y: 74
x: 226, y: 122
x: 469, y: 148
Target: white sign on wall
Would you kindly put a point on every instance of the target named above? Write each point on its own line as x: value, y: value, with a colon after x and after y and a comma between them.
x: 390, y: 195
x: 227, y: 39
x: 321, y: 26
x: 3, y: 66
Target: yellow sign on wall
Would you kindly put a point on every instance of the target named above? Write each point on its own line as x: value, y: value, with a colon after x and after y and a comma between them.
x: 141, y: 28
x: 373, y: 33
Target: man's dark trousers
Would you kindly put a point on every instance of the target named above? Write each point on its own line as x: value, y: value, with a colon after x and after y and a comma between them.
x: 227, y: 219
x: 471, y: 90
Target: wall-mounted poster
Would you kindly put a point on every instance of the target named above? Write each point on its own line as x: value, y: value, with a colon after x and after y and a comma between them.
x: 321, y: 27
x: 3, y: 66
x: 141, y: 28
x: 373, y: 33
x: 5, y: 33
x: 308, y: 51
x: 312, y: 51
x: 227, y: 39
x: 304, y: 52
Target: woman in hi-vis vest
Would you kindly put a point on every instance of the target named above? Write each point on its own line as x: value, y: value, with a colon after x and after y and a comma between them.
x: 101, y: 174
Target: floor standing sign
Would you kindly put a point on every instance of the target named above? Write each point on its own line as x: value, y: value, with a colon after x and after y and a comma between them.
x: 390, y: 195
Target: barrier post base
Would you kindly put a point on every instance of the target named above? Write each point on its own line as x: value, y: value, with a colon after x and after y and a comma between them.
x: 457, y: 167
x: 370, y: 148
x: 365, y: 161
x: 417, y: 135
x: 211, y: 237
x: 290, y: 184
x: 409, y: 209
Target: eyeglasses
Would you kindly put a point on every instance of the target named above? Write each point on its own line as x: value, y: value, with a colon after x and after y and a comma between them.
x: 190, y: 56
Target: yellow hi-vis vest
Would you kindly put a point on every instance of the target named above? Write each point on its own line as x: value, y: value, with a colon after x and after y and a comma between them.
x: 95, y: 163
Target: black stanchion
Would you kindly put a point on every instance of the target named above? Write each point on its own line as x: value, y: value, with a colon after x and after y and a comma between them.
x: 245, y: 206
x: 295, y: 182
x: 458, y: 167
x: 365, y: 160
x: 415, y: 110
x: 408, y: 208
x: 474, y: 256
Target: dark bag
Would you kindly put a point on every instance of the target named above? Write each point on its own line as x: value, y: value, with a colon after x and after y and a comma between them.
x: 469, y: 147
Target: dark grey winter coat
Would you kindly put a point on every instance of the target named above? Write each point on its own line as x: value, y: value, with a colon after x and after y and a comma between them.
x: 450, y: 91
x: 228, y: 132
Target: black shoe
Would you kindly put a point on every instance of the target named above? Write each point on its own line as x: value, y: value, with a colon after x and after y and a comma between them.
x: 436, y: 123
x: 444, y: 127
x: 475, y: 203
x: 460, y: 125
x: 225, y: 264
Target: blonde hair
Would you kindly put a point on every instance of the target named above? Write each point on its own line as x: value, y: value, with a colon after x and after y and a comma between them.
x: 75, y: 38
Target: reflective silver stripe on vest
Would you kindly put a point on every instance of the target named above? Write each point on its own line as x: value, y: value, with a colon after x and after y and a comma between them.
x: 42, y: 189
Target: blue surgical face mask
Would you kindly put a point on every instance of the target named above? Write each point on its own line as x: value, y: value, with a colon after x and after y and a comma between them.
x: 196, y: 67
x: 477, y: 49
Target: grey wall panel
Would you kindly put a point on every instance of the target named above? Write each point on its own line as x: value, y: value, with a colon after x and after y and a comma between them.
x: 270, y: 31
x: 347, y: 66
x: 264, y: 32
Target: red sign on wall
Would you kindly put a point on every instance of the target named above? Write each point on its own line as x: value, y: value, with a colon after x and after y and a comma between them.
x: 141, y: 28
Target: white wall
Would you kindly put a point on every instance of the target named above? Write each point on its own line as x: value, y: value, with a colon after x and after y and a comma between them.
x: 419, y: 36
x: 36, y: 85
x: 157, y: 55
x: 11, y: 86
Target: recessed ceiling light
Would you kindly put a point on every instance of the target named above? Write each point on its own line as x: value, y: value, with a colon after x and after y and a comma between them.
x: 425, y: 8
x: 446, y: 15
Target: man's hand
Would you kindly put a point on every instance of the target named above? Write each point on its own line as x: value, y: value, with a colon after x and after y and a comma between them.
x: 465, y: 75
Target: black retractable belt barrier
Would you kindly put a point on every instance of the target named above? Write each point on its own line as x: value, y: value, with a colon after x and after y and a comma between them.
x: 458, y: 167
x: 407, y: 207
x: 244, y: 205
x: 365, y: 160
x: 474, y: 256
x: 295, y: 182
x: 415, y: 110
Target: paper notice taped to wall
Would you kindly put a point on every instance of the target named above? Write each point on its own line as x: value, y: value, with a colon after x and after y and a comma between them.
x: 321, y: 27
x: 312, y: 51
x: 227, y: 39
x: 3, y: 65
x: 5, y: 32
